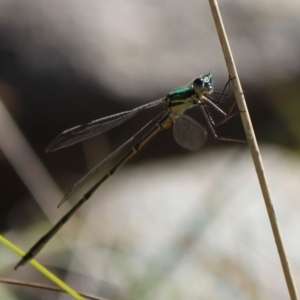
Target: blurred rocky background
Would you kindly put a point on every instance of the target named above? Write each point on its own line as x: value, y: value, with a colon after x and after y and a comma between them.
x: 171, y: 224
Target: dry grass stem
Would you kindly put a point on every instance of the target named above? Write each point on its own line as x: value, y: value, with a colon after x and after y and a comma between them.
x: 252, y: 143
x: 45, y: 287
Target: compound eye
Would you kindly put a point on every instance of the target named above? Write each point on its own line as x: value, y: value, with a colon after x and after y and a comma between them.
x: 206, y: 79
x: 198, y: 83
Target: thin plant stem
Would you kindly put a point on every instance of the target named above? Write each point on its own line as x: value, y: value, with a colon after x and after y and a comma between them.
x: 44, y: 287
x: 253, y: 146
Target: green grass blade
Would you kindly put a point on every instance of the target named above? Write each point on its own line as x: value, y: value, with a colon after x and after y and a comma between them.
x: 42, y: 269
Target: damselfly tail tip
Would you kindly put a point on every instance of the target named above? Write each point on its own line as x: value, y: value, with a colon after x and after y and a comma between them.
x: 20, y: 263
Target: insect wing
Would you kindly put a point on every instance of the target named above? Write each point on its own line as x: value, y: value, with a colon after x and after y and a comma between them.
x: 94, y: 171
x: 188, y: 133
x: 82, y: 132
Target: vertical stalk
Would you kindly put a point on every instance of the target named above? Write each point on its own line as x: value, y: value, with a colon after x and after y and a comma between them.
x: 253, y: 146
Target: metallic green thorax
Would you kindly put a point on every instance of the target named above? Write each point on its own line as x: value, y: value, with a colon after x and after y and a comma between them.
x: 184, y: 98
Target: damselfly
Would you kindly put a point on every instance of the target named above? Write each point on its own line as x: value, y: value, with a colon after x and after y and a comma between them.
x: 187, y: 132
